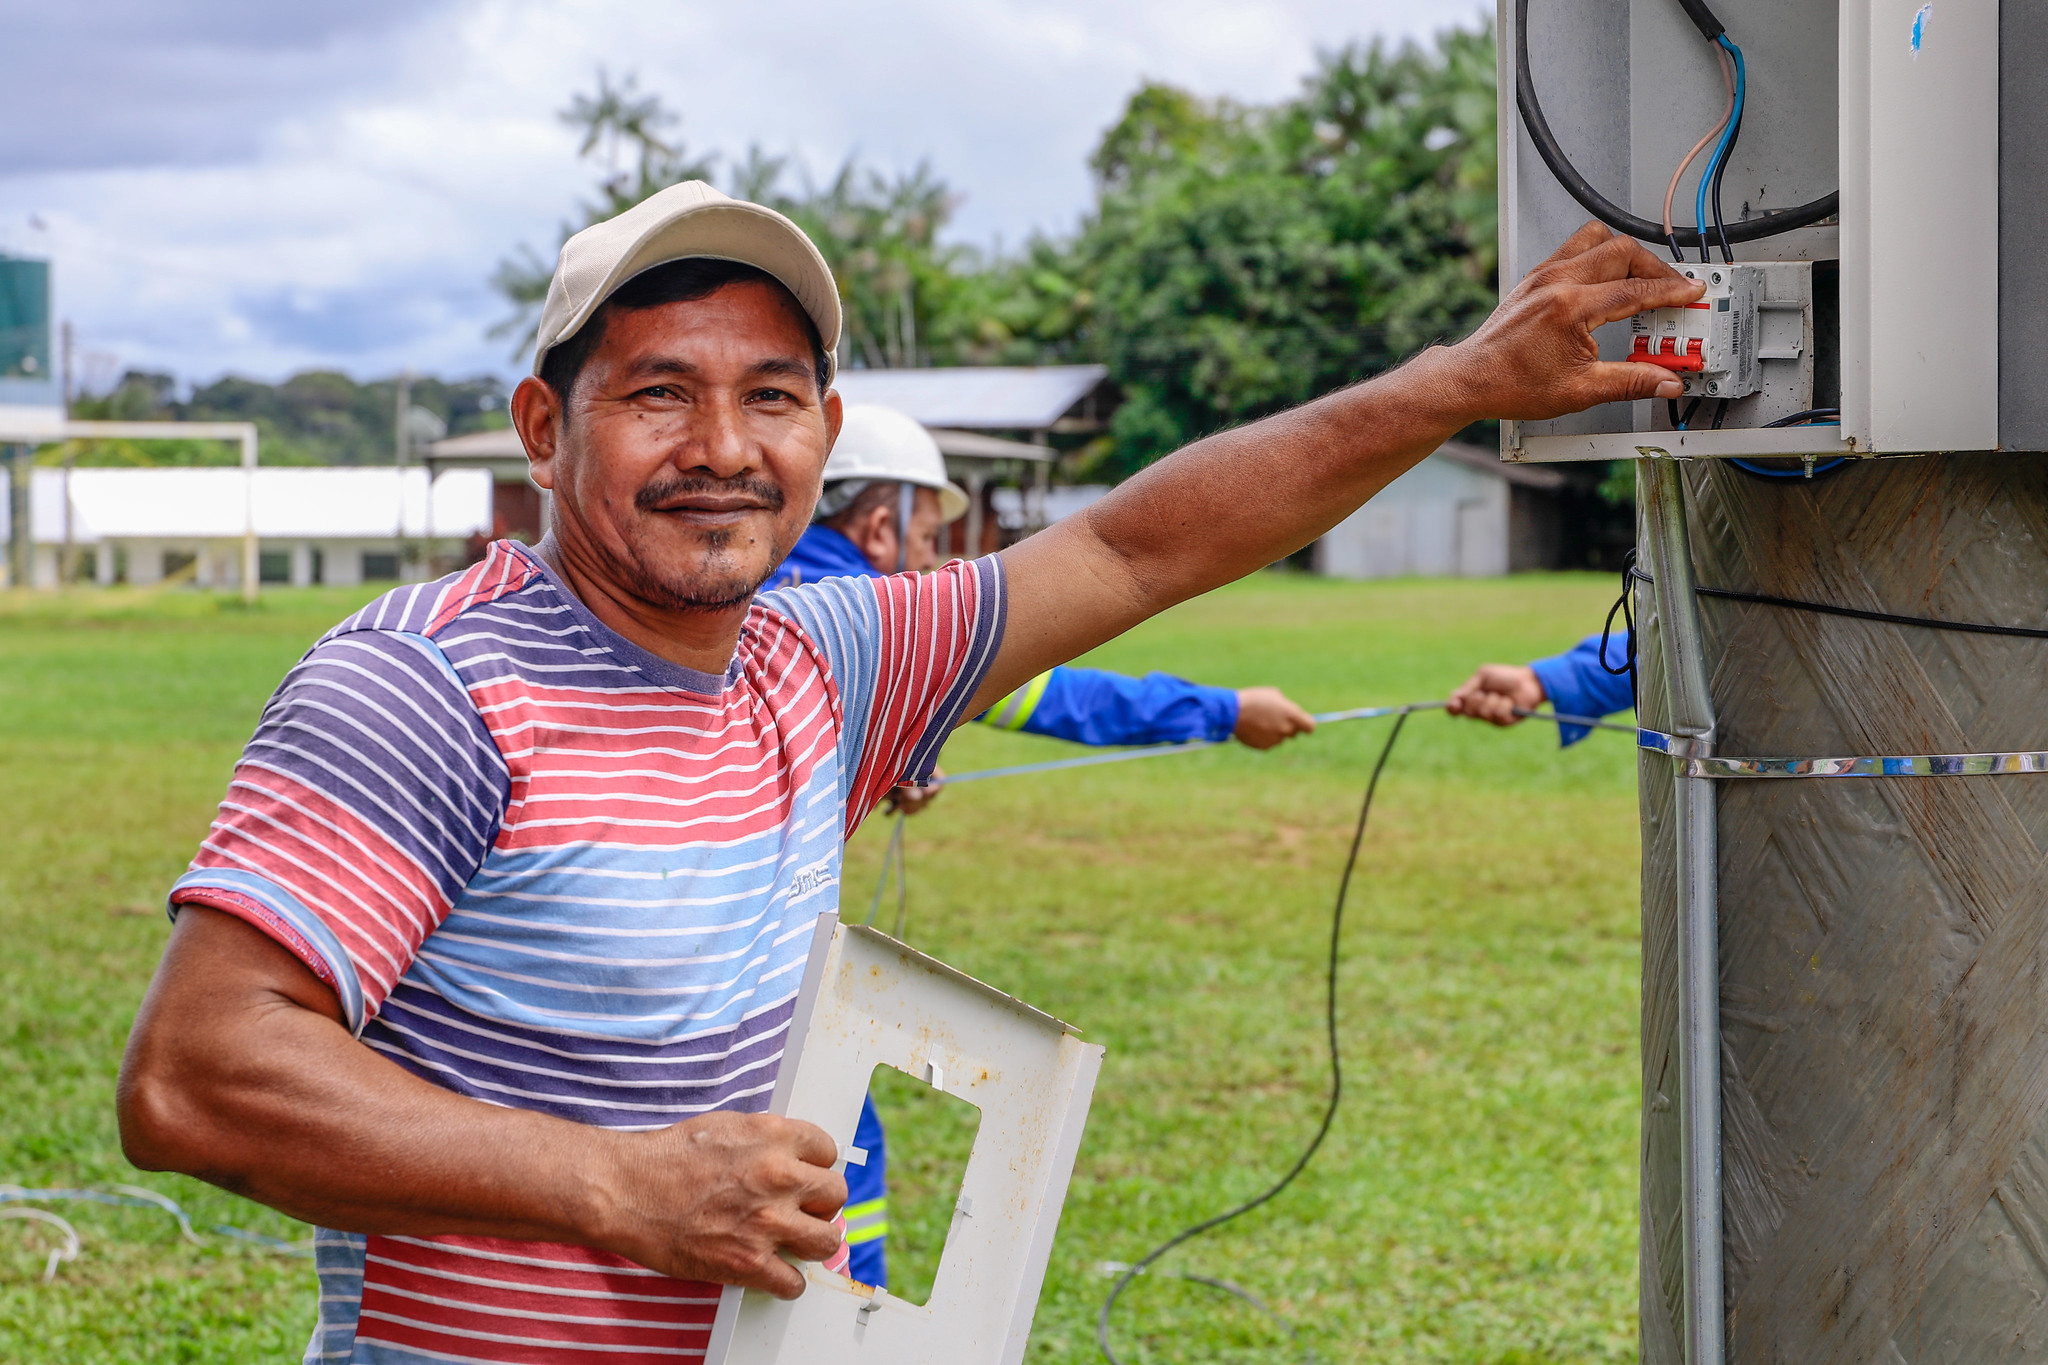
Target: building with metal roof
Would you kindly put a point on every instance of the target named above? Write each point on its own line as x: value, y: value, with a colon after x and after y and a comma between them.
x: 313, y: 525
x: 1036, y: 399
x: 1462, y: 513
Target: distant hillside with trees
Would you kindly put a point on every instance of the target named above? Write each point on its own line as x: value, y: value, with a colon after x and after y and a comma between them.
x: 318, y: 417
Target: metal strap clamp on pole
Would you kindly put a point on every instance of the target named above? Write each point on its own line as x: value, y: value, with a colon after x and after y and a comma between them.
x: 1690, y: 759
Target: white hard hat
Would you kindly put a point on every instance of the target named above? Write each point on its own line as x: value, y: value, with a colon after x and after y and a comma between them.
x: 878, y: 444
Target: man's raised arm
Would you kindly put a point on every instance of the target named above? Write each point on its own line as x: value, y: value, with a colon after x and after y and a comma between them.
x: 1241, y: 499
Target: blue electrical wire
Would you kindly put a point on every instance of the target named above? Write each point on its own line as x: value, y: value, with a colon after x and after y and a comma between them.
x: 1699, y: 215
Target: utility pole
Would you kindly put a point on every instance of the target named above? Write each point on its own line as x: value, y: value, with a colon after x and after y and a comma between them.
x: 21, y: 562
x: 67, y: 561
x: 401, y: 441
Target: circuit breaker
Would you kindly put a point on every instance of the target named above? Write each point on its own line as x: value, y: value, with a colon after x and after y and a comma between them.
x: 1744, y: 351
x: 1866, y: 176
x: 1710, y: 344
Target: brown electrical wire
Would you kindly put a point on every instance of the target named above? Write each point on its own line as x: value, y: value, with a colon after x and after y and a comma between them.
x: 1671, y: 191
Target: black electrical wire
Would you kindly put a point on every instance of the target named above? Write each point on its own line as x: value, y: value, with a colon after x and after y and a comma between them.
x: 1336, y: 1076
x: 1720, y: 228
x: 1829, y: 609
x: 1703, y: 19
x: 1625, y: 604
x: 1815, y: 415
x: 1769, y: 224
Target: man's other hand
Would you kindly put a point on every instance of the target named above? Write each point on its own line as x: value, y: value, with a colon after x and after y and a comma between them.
x: 722, y: 1196
x: 1266, y: 716
x: 905, y: 799
x: 1495, y: 692
x: 1536, y: 356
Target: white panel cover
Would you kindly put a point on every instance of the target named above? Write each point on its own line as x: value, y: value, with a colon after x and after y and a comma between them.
x: 868, y: 1000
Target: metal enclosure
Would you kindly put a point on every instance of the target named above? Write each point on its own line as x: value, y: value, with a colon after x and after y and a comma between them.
x: 868, y: 1000
x: 1896, y: 105
x: 2022, y: 226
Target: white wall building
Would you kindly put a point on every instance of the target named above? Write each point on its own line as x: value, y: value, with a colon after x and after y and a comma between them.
x: 339, y: 526
x: 1461, y: 512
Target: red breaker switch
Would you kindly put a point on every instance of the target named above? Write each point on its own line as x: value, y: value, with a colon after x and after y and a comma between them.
x: 1673, y: 353
x: 1711, y: 344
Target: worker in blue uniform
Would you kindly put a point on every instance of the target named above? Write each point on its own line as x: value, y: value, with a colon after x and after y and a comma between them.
x: 886, y: 472
x: 885, y: 497
x: 1575, y: 683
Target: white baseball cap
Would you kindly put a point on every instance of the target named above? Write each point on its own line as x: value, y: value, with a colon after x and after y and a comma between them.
x: 878, y: 444
x: 690, y: 219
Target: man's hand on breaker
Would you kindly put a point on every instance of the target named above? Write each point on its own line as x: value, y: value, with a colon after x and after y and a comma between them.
x: 1495, y: 692
x: 1539, y: 343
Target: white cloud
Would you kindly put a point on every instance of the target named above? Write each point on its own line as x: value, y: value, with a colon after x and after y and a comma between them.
x: 355, y: 226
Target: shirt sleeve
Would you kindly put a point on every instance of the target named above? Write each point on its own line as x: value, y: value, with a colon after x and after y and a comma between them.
x: 1094, y: 706
x: 908, y: 652
x: 359, y: 811
x: 1578, y: 685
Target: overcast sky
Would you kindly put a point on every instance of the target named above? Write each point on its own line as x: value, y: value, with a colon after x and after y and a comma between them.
x: 262, y: 187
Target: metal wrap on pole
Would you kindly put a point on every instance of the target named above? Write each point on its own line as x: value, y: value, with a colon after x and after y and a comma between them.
x: 1691, y: 714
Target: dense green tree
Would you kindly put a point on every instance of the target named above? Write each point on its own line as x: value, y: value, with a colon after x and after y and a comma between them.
x: 627, y: 133
x: 898, y: 285
x: 1240, y: 260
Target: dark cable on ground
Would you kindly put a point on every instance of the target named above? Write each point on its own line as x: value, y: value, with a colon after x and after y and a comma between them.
x: 1336, y: 1077
x: 893, y: 859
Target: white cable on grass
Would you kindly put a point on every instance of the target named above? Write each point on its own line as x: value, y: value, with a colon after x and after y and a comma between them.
x: 67, y: 1252
x: 164, y: 1202
x: 137, y: 1197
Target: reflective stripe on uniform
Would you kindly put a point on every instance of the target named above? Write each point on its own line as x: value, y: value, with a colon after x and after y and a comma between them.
x: 1012, y: 711
x: 867, y: 1221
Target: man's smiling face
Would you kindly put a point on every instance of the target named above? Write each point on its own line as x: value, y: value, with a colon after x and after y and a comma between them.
x: 687, y: 460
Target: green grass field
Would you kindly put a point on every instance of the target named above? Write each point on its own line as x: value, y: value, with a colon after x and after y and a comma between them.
x: 1475, y: 1203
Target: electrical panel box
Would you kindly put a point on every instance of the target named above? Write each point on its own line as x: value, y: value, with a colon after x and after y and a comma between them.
x: 1905, y: 316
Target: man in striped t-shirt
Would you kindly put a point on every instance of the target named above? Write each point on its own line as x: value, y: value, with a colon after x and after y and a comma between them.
x: 488, y: 961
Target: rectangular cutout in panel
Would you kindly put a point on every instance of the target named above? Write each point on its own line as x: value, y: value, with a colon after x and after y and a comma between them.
x: 930, y: 1138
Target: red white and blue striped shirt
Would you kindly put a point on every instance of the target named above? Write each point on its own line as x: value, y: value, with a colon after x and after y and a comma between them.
x: 544, y: 868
